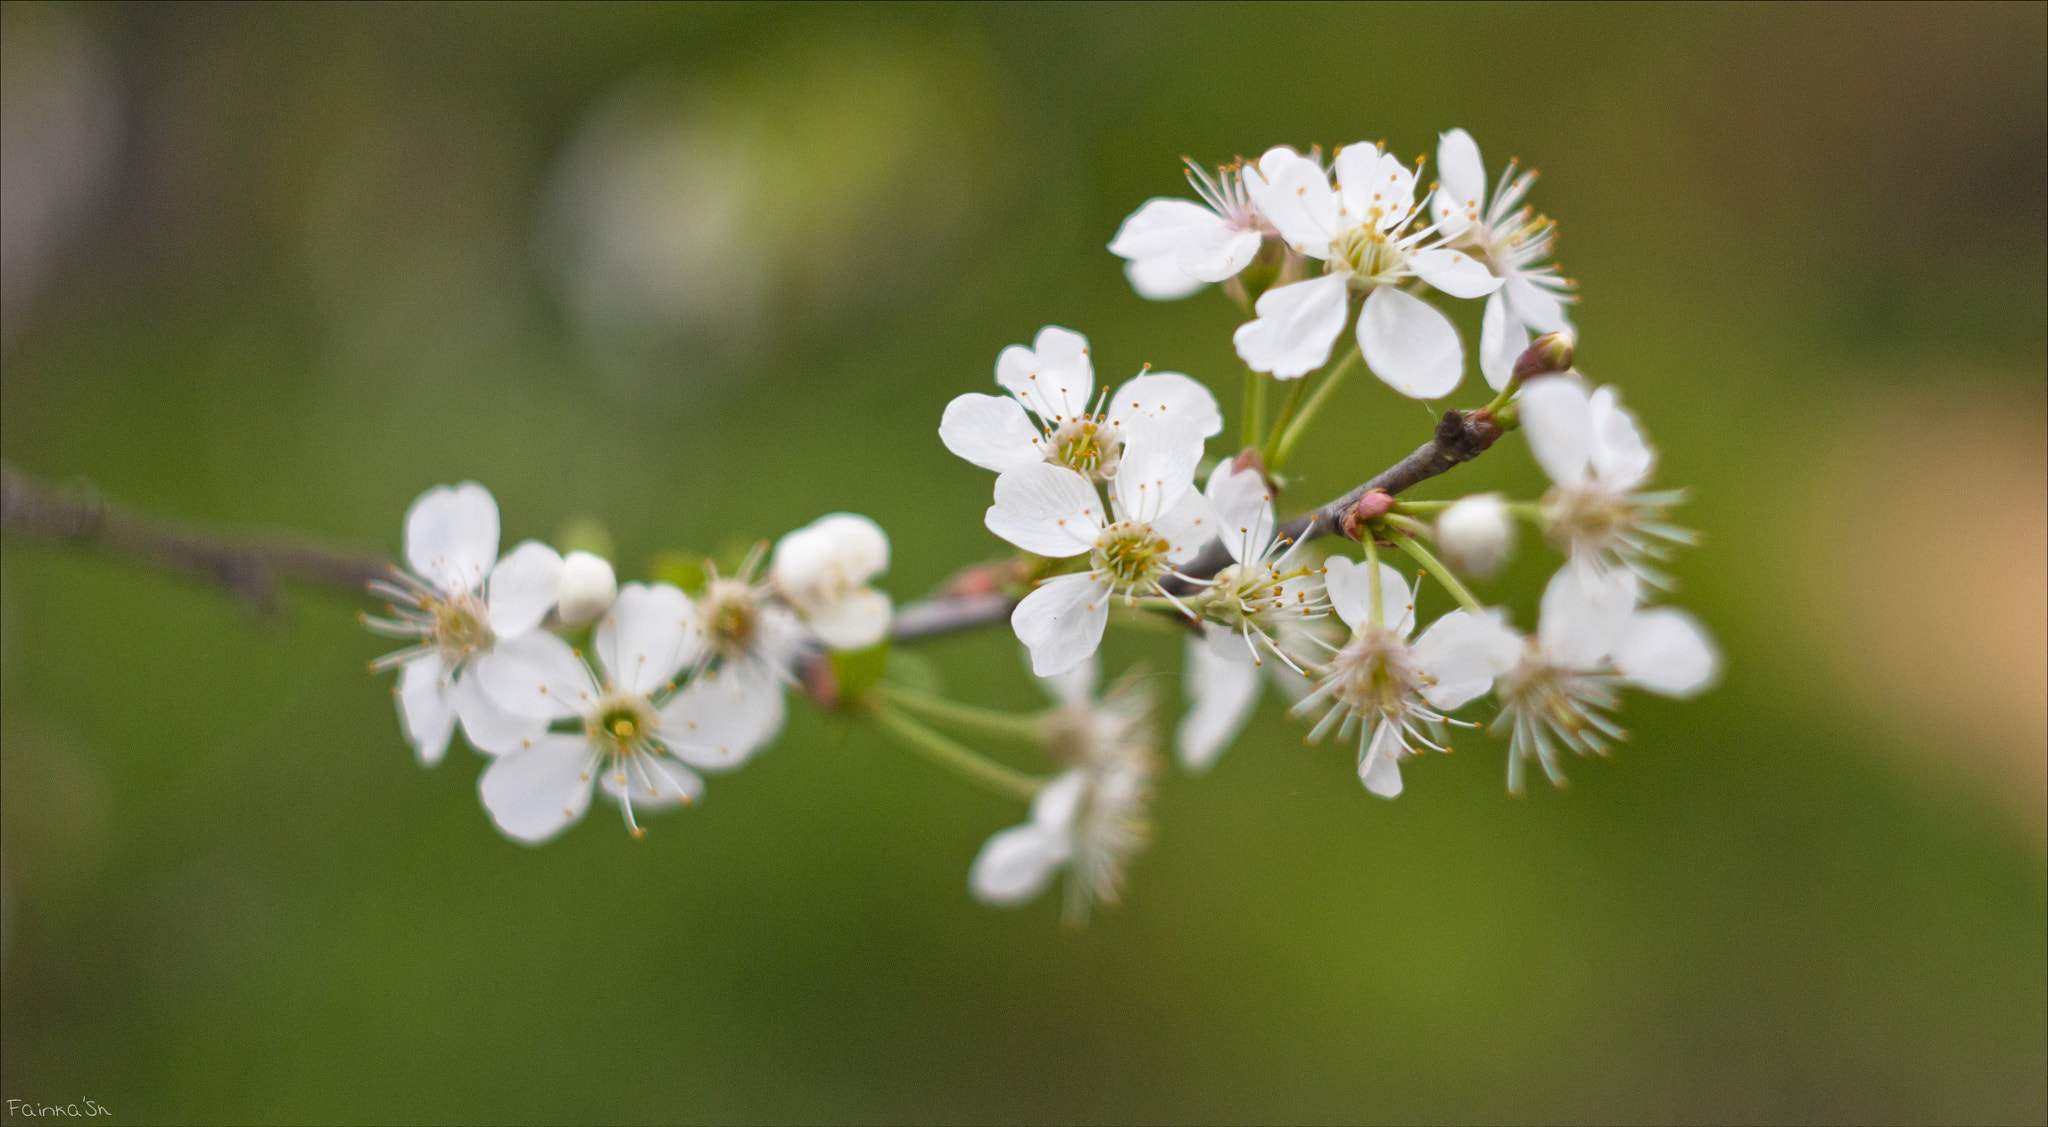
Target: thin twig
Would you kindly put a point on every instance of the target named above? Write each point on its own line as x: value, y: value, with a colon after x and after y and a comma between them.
x: 246, y: 568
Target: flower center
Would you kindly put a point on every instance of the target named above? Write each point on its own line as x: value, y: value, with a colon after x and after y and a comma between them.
x: 1089, y: 446
x: 1132, y: 554
x: 623, y: 725
x: 1373, y: 674
x: 1365, y: 253
x: 1557, y: 698
x: 729, y: 616
x: 461, y: 629
x: 1585, y: 516
x: 1246, y: 593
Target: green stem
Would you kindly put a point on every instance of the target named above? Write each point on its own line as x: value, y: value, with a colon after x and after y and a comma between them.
x: 1443, y: 574
x: 1419, y: 508
x: 989, y: 720
x: 1254, y: 406
x: 1531, y: 511
x: 1514, y: 385
x: 1299, y: 426
x: 1287, y: 410
x: 953, y: 756
x: 1374, y: 612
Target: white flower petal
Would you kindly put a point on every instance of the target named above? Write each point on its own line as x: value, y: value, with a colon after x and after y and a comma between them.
x: 1054, y: 377
x: 1584, y: 614
x: 451, y: 536
x: 1055, y: 806
x: 1666, y: 651
x: 1159, y: 225
x: 1350, y: 588
x: 1062, y: 622
x: 1294, y: 195
x: 1558, y: 420
x: 720, y: 720
x: 854, y: 622
x: 1502, y: 340
x: 1015, y: 865
x: 523, y: 588
x: 647, y: 636
x: 489, y: 727
x: 1462, y: 653
x: 1217, y: 252
x: 1295, y: 327
x: 424, y: 707
x: 1244, y: 510
x: 1409, y: 344
x: 1157, y: 396
x: 1620, y: 458
x: 535, y: 793
x: 1461, y: 182
x: 1535, y: 305
x: 1380, y: 770
x: 537, y: 675
x: 1157, y: 470
x: 1161, y: 279
x: 1453, y: 272
x: 1222, y: 687
x: 1076, y: 687
x: 992, y: 431
x: 652, y: 782
x: 1045, y: 509
x: 1187, y: 527
x: 1371, y: 182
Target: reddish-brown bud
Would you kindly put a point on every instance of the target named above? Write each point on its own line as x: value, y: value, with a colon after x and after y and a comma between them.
x: 1372, y: 506
x: 1546, y: 355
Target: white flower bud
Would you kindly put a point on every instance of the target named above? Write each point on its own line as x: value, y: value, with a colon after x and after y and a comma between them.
x: 587, y: 587
x: 823, y: 569
x: 1476, y: 534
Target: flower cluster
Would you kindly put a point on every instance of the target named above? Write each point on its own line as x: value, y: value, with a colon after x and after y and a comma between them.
x: 570, y: 683
x: 679, y: 685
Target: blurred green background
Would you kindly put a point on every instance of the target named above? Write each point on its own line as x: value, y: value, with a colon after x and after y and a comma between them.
x: 708, y: 271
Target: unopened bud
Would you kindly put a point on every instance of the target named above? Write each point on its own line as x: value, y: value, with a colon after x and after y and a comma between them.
x: 1371, y: 506
x: 1546, y: 355
x: 1476, y: 534
x: 586, y: 589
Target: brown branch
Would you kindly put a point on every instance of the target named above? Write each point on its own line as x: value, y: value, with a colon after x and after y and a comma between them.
x: 246, y: 568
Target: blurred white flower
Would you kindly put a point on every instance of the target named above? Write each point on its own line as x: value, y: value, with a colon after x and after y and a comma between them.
x: 638, y: 752
x: 823, y: 568
x: 1591, y: 639
x: 587, y: 588
x: 460, y: 603
x: 1512, y: 243
x: 749, y: 637
x: 1090, y: 819
x: 1160, y: 520
x: 1360, y: 229
x: 1476, y: 534
x: 1389, y: 690
x: 1054, y: 381
x: 1590, y: 446
x: 1174, y: 247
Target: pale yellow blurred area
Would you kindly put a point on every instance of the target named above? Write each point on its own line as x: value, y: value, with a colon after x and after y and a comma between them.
x: 1929, y: 531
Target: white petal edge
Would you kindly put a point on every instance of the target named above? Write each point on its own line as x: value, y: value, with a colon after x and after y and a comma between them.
x: 534, y: 794
x: 1015, y: 865
x: 992, y: 431
x: 1295, y: 327
x: 424, y: 707
x: 646, y: 637
x: 523, y: 588
x: 1410, y: 345
x: 1667, y: 651
x: 451, y: 536
x: 1045, y: 509
x: 1222, y: 688
x: 537, y: 675
x: 1061, y: 623
x: 1557, y: 417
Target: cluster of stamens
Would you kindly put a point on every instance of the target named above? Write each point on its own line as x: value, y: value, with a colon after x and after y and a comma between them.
x: 456, y: 625
x: 1091, y: 446
x: 1544, y: 707
x: 729, y: 612
x: 1607, y: 528
x: 1368, y: 255
x: 1130, y: 555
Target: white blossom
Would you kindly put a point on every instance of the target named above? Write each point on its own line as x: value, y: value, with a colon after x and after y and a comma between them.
x: 1591, y: 639
x: 1174, y: 247
x: 1512, y: 242
x: 1590, y: 446
x: 1388, y: 690
x: 638, y: 751
x: 1090, y: 819
x: 1261, y: 605
x: 1159, y: 520
x: 459, y: 602
x: 823, y: 568
x: 1222, y: 677
x: 1361, y: 229
x: 587, y: 588
x: 1051, y: 413
x: 1476, y: 534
